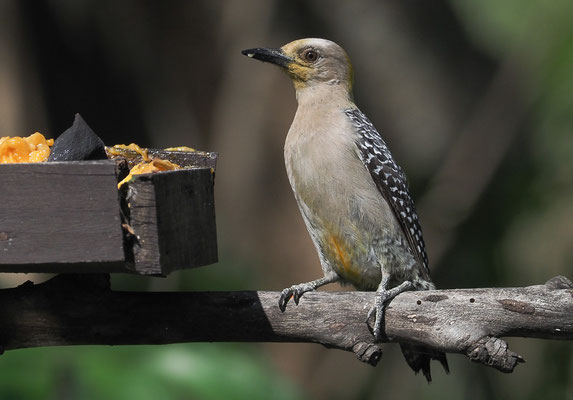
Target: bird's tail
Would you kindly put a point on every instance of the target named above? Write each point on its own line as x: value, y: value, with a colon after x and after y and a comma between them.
x: 418, y: 358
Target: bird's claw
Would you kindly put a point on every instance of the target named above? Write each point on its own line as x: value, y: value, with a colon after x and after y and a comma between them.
x: 286, y: 295
x: 294, y: 292
x: 296, y: 297
x: 382, y: 298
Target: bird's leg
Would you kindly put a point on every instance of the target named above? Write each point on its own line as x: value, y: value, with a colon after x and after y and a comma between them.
x: 383, y: 297
x: 296, y: 291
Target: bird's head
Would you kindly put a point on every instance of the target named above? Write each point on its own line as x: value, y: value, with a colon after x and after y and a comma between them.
x: 309, y: 62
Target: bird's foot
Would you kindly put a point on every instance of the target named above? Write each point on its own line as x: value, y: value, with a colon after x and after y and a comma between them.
x: 294, y: 292
x: 383, y: 297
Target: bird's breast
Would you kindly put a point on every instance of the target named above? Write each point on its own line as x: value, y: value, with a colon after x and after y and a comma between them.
x: 344, y: 212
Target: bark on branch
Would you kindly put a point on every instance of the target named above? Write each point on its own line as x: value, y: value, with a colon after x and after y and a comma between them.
x: 81, y: 309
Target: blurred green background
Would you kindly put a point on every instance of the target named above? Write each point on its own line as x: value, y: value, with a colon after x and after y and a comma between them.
x: 474, y: 98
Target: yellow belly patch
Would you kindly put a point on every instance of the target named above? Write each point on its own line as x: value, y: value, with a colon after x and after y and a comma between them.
x: 341, y: 257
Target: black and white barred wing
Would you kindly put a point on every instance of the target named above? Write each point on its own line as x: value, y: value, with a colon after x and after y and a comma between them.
x: 390, y: 180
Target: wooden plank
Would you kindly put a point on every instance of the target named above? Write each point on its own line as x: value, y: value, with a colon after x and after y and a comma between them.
x: 173, y: 217
x: 65, y: 217
x: 187, y: 159
x: 57, y: 216
x: 144, y: 248
x: 195, y: 159
x: 186, y: 219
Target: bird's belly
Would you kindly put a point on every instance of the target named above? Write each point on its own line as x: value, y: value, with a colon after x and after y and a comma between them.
x: 356, y: 244
x: 357, y: 238
x: 353, y: 261
x: 352, y: 227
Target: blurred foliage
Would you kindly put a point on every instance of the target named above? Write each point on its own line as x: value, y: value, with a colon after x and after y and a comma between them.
x: 543, y: 36
x: 540, y: 197
x: 185, y: 371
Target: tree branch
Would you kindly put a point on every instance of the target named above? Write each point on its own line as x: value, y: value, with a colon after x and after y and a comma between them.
x: 82, y: 309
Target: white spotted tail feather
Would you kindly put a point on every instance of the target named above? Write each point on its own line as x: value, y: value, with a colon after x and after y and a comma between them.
x: 391, y: 182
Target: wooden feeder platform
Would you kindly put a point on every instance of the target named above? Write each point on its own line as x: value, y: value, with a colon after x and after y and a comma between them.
x: 70, y: 217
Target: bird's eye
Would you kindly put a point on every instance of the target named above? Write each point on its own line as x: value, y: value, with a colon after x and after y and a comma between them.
x: 310, y: 55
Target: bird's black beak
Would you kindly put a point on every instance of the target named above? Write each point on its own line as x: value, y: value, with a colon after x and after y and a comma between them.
x: 274, y: 56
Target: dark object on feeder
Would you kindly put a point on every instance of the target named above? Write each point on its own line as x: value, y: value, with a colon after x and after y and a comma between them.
x: 78, y: 143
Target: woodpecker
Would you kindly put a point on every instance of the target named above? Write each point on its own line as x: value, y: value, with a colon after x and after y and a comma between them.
x: 351, y: 193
